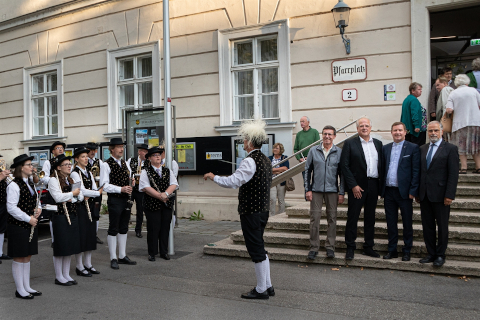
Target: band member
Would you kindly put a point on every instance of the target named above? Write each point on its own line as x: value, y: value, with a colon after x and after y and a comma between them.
x: 157, y: 183
x: 254, y: 177
x: 64, y: 220
x: 95, y: 163
x: 86, y: 219
x: 24, y: 209
x: 136, y: 164
x: 115, y: 179
x: 4, y: 181
x: 175, y: 173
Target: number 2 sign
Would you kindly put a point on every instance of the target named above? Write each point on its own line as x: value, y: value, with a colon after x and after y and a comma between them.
x: 349, y: 94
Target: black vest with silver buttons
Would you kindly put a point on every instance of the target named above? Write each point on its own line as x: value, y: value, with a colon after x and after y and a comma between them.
x: 87, y: 181
x: 3, y: 191
x: 26, y: 202
x: 119, y: 176
x: 71, y: 207
x: 151, y: 203
x: 254, y: 196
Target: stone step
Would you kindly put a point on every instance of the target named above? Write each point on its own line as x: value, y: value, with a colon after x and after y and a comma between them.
x: 227, y: 247
x: 456, y: 233
x: 464, y: 252
x: 456, y: 217
x: 469, y: 179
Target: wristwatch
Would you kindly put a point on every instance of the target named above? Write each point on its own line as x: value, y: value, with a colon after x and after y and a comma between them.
x: 166, y: 193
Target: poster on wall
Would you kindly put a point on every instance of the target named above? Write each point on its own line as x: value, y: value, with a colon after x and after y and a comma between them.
x: 349, y: 70
x: 140, y: 135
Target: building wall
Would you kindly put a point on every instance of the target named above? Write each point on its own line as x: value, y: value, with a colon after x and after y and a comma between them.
x: 379, y: 31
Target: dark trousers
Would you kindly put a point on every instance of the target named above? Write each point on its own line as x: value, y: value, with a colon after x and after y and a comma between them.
x: 369, y: 202
x: 253, y: 226
x: 138, y: 198
x: 420, y: 140
x: 435, y: 214
x: 158, y: 229
x: 118, y: 216
x: 394, y: 201
x: 3, y: 218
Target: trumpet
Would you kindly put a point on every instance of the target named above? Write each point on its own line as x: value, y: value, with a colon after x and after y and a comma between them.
x: 3, y: 165
x: 95, y: 172
x: 40, y: 174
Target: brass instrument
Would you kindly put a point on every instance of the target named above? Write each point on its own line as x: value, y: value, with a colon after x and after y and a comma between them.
x: 95, y: 170
x: 40, y: 174
x: 3, y: 167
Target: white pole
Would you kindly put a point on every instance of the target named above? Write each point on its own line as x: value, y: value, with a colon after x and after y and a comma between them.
x: 168, y: 104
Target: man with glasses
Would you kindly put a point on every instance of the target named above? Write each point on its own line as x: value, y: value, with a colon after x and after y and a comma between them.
x: 323, y: 181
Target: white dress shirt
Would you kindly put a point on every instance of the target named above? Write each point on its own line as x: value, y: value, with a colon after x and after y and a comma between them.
x: 174, y: 167
x: 145, y: 182
x: 58, y: 195
x: 86, y: 192
x: 46, y: 168
x: 13, y: 196
x: 371, y: 157
x: 242, y: 175
x: 435, y: 147
x: 105, y: 177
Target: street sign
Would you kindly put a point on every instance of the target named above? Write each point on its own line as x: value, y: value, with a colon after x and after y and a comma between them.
x: 213, y: 155
x: 474, y: 42
x: 349, y: 94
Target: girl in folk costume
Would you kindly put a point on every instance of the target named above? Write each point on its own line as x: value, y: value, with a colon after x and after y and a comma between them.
x: 158, y: 183
x: 64, y: 221
x: 86, y: 215
x: 24, y: 209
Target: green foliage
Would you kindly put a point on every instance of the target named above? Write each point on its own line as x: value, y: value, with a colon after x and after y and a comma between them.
x: 104, y: 209
x: 196, y: 216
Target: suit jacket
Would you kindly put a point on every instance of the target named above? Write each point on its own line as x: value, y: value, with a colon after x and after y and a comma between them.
x: 354, y: 166
x: 408, y: 170
x: 441, y: 178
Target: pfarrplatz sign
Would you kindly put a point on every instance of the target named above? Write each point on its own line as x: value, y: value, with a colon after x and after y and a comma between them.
x: 349, y: 70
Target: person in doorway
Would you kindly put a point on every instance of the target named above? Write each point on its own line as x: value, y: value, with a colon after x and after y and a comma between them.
x: 474, y: 75
x: 324, y: 182
x: 254, y: 178
x: 414, y: 115
x: 278, y: 192
x: 96, y: 163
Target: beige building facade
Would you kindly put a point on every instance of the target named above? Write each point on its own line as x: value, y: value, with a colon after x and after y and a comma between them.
x: 67, y: 68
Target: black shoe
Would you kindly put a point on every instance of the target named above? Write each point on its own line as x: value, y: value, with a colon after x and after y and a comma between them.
x: 165, y: 256
x: 139, y: 234
x: 5, y: 257
x: 406, y: 256
x: 99, y: 241
x: 427, y: 259
x: 350, y: 254
x: 82, y: 273
x: 440, y: 261
x: 255, y: 295
x: 36, y: 293
x: 391, y: 255
x: 91, y: 270
x: 312, y: 255
x: 66, y: 284
x: 114, y: 264
x: 74, y: 282
x: 271, y: 291
x: 330, y: 253
x: 126, y: 260
x: 370, y: 252
x: 29, y: 297
x: 151, y: 258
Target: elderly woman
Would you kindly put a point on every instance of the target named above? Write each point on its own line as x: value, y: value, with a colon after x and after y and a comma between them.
x: 465, y: 101
x: 278, y: 192
x: 475, y: 75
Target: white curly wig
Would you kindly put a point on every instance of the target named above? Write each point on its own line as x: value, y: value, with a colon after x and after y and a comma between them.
x: 253, y: 131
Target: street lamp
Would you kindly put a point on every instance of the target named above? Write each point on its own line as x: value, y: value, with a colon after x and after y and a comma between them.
x: 341, y: 13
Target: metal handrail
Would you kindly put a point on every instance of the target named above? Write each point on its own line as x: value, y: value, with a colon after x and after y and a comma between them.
x: 317, y: 142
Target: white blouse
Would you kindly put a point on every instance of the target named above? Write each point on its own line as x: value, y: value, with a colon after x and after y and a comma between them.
x: 58, y: 195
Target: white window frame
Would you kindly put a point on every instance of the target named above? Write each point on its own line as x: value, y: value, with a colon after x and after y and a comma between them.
x: 226, y: 40
x: 113, y: 58
x: 28, y: 73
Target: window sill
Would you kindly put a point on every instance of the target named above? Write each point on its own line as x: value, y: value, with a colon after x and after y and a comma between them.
x: 43, y: 140
x: 109, y: 135
x: 233, y: 129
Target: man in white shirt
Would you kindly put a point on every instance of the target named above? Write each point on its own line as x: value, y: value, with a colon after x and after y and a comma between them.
x: 254, y: 178
x: 115, y: 177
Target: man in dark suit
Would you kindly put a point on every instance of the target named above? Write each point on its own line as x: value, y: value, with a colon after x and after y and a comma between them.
x: 361, y: 165
x: 402, y: 175
x: 438, y: 185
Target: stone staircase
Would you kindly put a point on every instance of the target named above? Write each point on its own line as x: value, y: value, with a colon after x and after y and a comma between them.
x: 287, y: 237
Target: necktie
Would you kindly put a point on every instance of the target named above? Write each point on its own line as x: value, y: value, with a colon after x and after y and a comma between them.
x: 429, y: 155
x: 159, y: 173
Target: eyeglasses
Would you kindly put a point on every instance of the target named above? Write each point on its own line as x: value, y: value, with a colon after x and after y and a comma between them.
x: 28, y: 165
x: 156, y: 155
x: 59, y: 148
x: 327, y: 134
x: 66, y: 165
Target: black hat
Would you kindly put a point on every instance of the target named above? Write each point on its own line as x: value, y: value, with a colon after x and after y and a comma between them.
x: 59, y: 160
x: 79, y: 151
x: 92, y: 145
x: 20, y: 160
x: 115, y: 142
x: 58, y: 143
x: 143, y: 146
x: 154, y: 150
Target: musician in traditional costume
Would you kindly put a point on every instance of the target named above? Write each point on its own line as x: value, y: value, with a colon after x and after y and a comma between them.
x: 136, y: 164
x: 85, y: 213
x: 65, y: 220
x: 158, y: 183
x: 254, y: 178
x: 24, y: 209
x: 94, y: 165
x: 115, y: 177
x: 5, y: 179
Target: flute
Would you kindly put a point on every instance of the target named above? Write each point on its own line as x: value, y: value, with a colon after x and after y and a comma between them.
x: 64, y: 203
x: 86, y: 201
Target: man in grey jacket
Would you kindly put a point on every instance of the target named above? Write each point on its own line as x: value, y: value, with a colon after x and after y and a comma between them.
x: 322, y: 179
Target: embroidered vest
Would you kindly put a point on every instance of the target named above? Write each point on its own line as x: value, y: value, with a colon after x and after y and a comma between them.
x: 254, y: 196
x: 151, y: 203
x: 134, y: 167
x: 87, y: 181
x: 3, y: 191
x: 95, y: 163
x: 71, y: 207
x: 26, y: 202
x: 119, y: 176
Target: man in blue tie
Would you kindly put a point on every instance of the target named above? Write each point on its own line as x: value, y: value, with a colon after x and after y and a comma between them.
x: 438, y: 185
x: 402, y: 176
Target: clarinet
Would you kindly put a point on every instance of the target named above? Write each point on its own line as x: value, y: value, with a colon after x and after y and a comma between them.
x: 64, y: 203
x: 32, y: 229
x: 86, y: 201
